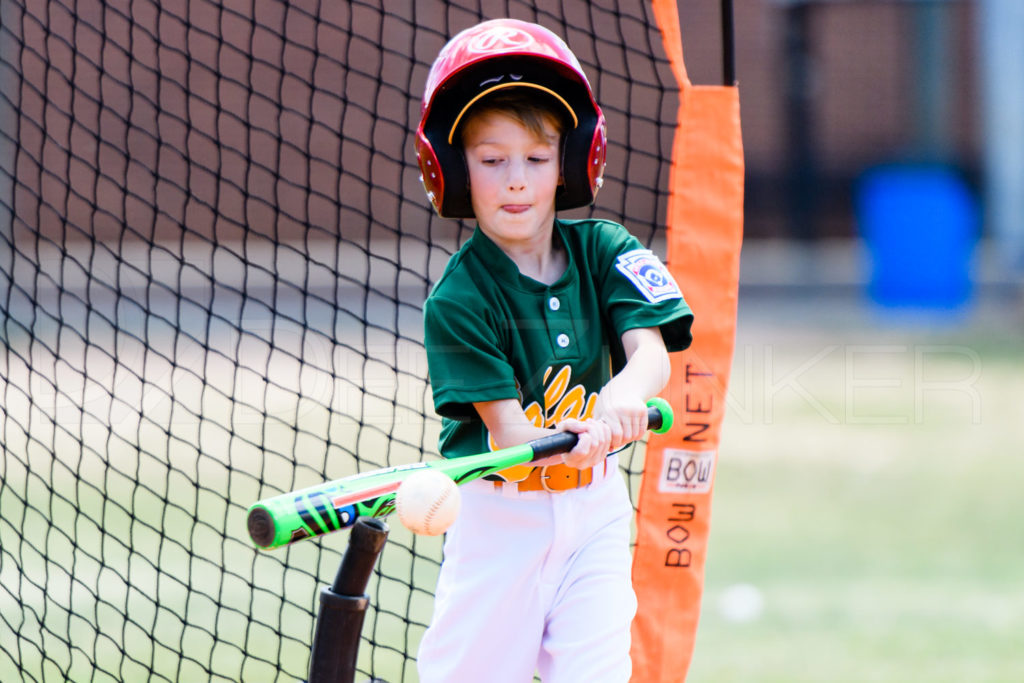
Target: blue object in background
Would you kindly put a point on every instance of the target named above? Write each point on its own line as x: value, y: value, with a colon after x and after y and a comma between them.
x: 920, y: 223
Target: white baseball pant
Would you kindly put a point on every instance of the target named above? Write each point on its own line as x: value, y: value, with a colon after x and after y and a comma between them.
x: 535, y: 581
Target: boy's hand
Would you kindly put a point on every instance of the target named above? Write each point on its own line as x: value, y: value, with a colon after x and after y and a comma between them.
x: 622, y: 402
x: 595, y: 438
x: 623, y: 412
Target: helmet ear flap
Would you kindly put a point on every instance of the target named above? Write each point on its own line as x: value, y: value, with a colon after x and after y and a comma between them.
x: 430, y: 171
x: 597, y: 157
x: 583, y: 163
x: 445, y: 178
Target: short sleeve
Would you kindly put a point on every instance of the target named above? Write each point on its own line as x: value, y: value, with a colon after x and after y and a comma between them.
x: 465, y: 358
x: 637, y: 290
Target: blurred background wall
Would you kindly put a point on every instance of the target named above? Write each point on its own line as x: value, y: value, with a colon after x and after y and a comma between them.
x: 833, y: 88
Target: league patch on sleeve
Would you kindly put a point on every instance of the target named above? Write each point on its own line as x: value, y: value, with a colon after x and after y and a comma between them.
x: 649, y: 275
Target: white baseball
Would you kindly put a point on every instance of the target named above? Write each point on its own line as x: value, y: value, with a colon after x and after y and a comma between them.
x: 428, y: 502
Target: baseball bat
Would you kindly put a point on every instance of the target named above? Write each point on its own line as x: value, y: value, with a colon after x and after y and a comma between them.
x: 334, y: 505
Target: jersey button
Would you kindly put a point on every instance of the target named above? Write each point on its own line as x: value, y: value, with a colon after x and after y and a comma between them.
x: 563, y: 340
x: 554, y: 304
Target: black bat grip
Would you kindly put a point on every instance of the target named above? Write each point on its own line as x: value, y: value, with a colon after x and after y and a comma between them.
x: 563, y: 442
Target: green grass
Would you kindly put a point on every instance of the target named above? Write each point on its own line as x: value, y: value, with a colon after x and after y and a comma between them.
x: 885, y: 549
x: 123, y: 545
x: 868, y: 485
x: 907, y: 574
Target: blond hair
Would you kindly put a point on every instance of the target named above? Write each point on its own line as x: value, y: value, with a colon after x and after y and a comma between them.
x: 527, y: 107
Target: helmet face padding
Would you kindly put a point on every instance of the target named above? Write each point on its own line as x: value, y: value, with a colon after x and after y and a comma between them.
x: 488, y: 57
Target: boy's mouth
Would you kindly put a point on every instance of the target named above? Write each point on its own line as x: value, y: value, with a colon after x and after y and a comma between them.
x: 515, y: 208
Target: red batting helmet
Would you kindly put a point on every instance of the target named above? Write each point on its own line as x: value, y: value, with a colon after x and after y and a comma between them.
x: 490, y: 56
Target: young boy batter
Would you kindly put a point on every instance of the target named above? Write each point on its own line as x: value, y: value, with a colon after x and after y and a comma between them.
x: 537, y: 324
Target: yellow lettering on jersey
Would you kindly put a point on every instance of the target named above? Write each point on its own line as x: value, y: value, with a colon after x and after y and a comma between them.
x: 558, y: 386
x: 561, y: 402
x: 570, y: 405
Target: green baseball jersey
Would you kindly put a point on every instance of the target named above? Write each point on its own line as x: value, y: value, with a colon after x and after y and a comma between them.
x: 492, y: 333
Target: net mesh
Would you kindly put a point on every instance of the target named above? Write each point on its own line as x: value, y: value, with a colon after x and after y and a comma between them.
x: 214, y: 250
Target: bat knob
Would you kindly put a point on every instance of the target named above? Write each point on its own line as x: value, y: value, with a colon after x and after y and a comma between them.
x: 261, y: 527
x: 659, y: 415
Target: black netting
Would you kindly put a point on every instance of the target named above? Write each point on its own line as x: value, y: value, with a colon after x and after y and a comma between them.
x: 214, y: 250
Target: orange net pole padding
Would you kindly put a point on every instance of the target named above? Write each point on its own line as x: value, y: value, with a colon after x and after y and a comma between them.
x: 705, y: 233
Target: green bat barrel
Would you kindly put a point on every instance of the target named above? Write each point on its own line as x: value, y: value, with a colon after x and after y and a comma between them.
x: 335, y: 505
x: 291, y: 517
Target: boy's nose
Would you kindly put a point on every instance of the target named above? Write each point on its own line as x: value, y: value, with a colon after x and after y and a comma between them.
x: 516, y: 175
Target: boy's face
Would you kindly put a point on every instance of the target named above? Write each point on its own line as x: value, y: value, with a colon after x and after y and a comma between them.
x: 513, y: 177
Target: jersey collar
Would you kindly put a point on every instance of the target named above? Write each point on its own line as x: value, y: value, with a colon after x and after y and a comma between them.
x: 505, y: 270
